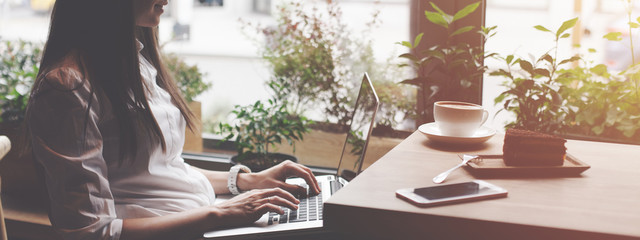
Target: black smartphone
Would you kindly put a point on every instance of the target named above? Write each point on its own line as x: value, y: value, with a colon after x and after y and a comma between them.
x: 451, y: 193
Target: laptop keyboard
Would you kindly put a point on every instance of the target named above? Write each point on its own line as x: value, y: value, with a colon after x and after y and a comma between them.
x: 309, y: 209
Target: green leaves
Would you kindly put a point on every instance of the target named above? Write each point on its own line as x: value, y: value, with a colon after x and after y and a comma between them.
x: 443, y: 19
x: 410, y: 45
x: 600, y: 70
x: 19, y: 65
x: 547, y: 58
x: 509, y: 59
x: 566, y: 25
x: 533, y: 94
x: 527, y: 66
x: 488, y: 32
x: 414, y: 81
x: 311, y: 55
x: 462, y: 30
x: 405, y: 43
x: 577, y: 99
x: 465, y: 11
x: 188, y: 78
x: 409, y: 56
x: 613, y: 36
x: 572, y: 59
x: 417, y: 40
x: 260, y: 126
x: 541, y: 28
x: 560, y: 33
x: 451, y: 68
x: 437, y: 18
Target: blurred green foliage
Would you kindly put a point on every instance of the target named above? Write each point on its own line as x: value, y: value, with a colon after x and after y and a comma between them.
x: 189, y: 78
x: 319, y: 60
x: 20, y: 61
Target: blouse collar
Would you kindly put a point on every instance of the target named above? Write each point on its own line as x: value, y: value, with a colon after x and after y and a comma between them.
x: 139, y: 45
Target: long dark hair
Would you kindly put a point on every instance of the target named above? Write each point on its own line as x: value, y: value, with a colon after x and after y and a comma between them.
x: 103, y: 36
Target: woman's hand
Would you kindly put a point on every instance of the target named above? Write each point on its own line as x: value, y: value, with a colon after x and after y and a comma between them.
x: 248, y: 207
x: 275, y: 177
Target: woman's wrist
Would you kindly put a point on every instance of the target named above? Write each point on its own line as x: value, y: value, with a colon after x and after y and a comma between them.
x: 214, y: 219
x: 213, y: 214
x: 245, y: 181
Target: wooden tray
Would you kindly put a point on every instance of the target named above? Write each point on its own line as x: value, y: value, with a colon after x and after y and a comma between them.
x: 495, y: 167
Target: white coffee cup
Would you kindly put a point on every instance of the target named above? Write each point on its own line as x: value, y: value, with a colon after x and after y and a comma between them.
x: 459, y: 119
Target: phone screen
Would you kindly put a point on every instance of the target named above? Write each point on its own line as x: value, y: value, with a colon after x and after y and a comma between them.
x: 448, y: 191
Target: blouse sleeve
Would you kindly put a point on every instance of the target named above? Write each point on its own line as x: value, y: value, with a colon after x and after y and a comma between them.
x: 82, y: 206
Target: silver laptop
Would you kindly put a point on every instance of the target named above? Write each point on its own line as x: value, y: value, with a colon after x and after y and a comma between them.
x: 308, y: 217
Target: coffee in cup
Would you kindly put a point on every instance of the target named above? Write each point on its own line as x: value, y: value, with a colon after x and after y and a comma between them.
x: 459, y: 119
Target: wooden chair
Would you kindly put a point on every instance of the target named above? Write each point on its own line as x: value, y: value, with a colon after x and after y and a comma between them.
x: 5, y: 146
x: 23, y: 216
x: 3, y: 228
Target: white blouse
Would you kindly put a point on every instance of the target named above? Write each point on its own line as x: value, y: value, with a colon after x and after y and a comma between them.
x: 90, y: 194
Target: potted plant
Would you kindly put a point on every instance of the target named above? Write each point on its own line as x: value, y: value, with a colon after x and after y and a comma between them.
x: 534, y: 94
x: 583, y: 101
x: 190, y: 82
x: 257, y: 129
x: 451, y: 70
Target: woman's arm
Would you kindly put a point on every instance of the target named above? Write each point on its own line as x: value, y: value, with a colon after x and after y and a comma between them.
x: 273, y: 177
x: 68, y: 143
x: 218, y: 179
x: 189, y: 224
x: 240, y: 210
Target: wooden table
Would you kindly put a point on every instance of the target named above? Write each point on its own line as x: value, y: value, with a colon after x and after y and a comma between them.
x: 601, y: 203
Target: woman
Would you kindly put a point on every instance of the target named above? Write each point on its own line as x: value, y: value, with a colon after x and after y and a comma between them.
x: 107, y: 125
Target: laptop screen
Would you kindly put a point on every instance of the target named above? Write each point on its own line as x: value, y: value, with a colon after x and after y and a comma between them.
x: 360, y: 127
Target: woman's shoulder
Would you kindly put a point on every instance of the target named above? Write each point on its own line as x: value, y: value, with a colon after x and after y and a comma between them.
x: 62, y: 85
x: 66, y: 74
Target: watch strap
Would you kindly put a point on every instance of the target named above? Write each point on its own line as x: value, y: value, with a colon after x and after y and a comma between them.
x: 232, y: 180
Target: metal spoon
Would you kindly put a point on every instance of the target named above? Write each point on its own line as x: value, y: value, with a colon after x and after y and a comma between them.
x: 465, y: 158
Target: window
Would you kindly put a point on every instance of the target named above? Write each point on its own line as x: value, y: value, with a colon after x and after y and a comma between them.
x: 231, y: 60
x: 207, y: 33
x: 516, y: 35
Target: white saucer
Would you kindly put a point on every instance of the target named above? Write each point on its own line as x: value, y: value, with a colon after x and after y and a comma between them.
x: 432, y: 132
